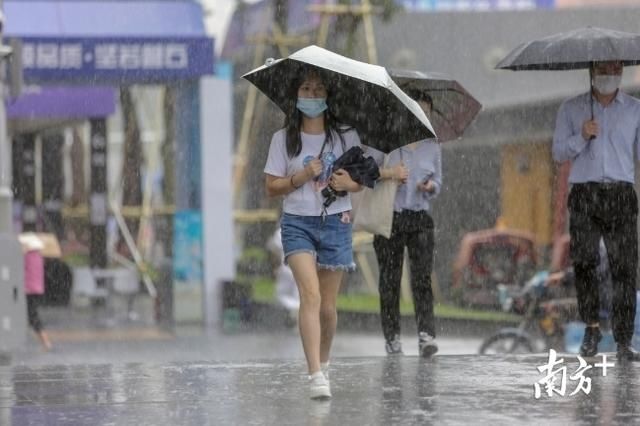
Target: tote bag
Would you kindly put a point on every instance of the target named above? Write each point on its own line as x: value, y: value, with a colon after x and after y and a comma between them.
x: 373, y: 208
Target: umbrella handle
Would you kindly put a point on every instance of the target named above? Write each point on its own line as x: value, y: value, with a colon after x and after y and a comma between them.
x: 591, y: 97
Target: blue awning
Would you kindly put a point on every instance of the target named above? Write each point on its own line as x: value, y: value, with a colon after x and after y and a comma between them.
x: 40, y: 108
x: 63, y: 102
x: 114, y: 41
x: 124, y: 18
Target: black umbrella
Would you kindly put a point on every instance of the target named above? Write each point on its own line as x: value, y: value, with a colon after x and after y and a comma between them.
x: 577, y: 49
x: 363, y: 96
x: 453, y: 106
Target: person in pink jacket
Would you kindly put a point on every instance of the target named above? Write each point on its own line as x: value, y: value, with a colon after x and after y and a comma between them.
x: 34, y: 285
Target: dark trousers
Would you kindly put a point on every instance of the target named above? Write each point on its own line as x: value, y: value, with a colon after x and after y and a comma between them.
x: 413, y: 230
x: 609, y: 211
x: 32, y: 313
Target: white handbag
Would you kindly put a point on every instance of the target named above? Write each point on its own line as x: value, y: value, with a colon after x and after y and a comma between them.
x: 373, y: 208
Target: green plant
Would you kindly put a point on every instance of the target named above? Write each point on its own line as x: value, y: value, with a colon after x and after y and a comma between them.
x: 264, y: 292
x: 254, y: 253
x: 76, y: 259
x: 254, y: 261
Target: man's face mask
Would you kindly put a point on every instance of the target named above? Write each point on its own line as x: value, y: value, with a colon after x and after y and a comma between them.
x: 607, y: 84
x: 312, y: 107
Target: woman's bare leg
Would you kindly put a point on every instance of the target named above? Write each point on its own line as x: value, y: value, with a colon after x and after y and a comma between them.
x: 44, y: 339
x: 329, y: 286
x: 304, y: 270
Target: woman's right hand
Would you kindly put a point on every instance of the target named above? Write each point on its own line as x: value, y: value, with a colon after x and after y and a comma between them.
x: 314, y: 168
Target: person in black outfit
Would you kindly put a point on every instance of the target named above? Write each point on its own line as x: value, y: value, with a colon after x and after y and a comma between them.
x: 418, y: 170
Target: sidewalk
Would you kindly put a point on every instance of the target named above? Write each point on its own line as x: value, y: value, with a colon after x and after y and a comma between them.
x: 84, y: 337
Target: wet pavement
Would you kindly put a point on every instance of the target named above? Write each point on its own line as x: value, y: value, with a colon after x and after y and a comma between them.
x: 449, y: 389
x: 140, y: 374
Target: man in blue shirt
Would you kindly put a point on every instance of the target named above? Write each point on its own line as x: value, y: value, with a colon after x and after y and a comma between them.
x: 599, y: 133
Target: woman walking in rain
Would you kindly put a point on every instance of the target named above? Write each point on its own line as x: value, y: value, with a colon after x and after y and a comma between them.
x: 34, y: 284
x: 418, y: 169
x: 316, y: 242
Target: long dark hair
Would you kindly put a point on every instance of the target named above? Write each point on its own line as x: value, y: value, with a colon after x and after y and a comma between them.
x: 293, y: 119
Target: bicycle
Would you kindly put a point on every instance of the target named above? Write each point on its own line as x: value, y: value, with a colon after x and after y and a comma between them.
x: 545, y: 306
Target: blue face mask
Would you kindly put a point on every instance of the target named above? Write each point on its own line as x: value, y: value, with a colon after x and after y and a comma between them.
x: 312, y: 107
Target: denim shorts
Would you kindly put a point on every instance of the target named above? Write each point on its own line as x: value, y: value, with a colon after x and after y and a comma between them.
x: 328, y: 239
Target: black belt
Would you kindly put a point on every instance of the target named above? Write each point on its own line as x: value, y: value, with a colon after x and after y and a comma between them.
x: 605, y: 186
x: 411, y: 213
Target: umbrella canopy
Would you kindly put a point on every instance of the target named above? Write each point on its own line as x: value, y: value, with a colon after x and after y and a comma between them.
x: 453, y: 106
x: 362, y: 95
x: 576, y: 49
x: 46, y: 243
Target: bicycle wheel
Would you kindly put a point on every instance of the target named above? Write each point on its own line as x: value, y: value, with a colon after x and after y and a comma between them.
x: 506, y: 342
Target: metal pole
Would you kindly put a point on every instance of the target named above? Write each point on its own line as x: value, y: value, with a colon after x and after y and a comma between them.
x: 6, y: 195
x: 13, y: 308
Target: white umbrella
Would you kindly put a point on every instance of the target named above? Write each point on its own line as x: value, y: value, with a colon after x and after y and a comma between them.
x: 361, y: 95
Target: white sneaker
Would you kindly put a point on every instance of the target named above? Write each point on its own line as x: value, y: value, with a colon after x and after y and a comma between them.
x: 324, y: 367
x: 319, y: 386
x: 393, y: 347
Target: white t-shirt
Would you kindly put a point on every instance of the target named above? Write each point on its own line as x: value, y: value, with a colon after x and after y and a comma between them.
x: 308, y: 200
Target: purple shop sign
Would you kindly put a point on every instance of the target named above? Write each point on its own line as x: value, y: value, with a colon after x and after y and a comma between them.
x: 63, y: 102
x: 116, y: 60
x: 106, y: 41
x: 474, y: 5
